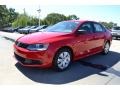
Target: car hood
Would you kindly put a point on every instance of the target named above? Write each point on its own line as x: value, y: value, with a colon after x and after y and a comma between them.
x: 115, y: 31
x: 23, y: 29
x: 43, y: 37
x: 33, y: 29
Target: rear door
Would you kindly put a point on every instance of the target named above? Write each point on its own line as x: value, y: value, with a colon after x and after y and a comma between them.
x: 99, y: 36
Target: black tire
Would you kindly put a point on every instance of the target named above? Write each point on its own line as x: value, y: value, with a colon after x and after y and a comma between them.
x: 55, y: 60
x: 116, y: 38
x: 106, y: 48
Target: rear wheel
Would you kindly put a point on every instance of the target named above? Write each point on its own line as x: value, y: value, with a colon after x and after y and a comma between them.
x: 106, y: 48
x: 62, y: 59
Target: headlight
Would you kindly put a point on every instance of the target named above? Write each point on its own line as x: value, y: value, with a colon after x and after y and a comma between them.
x: 40, y: 47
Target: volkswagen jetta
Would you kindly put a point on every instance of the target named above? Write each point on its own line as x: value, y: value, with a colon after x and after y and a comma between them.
x: 62, y: 43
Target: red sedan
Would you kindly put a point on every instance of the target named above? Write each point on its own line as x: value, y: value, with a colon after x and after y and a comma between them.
x: 62, y: 43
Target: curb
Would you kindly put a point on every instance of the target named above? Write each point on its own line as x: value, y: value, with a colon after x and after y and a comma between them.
x: 10, y: 36
x: 10, y: 39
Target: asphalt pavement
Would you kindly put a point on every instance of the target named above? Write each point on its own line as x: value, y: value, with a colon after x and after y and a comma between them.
x: 97, y: 69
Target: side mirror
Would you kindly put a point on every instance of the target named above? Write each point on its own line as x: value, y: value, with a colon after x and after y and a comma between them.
x: 81, y: 32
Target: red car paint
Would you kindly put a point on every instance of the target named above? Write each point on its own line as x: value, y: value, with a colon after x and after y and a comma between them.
x: 82, y: 45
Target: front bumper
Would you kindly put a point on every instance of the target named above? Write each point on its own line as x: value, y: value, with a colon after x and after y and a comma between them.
x: 25, y: 31
x: 33, y: 58
x: 115, y: 35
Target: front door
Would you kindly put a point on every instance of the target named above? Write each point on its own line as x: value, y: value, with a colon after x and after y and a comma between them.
x: 84, y: 42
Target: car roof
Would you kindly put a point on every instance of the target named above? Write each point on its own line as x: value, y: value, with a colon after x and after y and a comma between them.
x: 81, y: 21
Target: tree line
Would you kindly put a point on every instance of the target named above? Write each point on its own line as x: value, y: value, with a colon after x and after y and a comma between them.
x: 50, y: 19
x: 8, y: 17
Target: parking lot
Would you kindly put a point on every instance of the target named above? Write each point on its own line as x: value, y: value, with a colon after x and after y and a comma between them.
x: 97, y: 69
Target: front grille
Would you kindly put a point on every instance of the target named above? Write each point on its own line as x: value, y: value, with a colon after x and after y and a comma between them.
x: 27, y: 61
x: 22, y: 45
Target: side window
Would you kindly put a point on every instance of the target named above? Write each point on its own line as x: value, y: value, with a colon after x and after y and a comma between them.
x: 104, y: 28
x: 86, y: 26
x: 98, y: 28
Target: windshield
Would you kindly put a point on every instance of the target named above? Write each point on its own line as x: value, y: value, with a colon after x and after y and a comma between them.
x: 116, y: 28
x: 64, y: 26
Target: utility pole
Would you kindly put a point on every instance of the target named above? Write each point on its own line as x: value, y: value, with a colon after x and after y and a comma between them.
x: 24, y: 11
x: 39, y: 11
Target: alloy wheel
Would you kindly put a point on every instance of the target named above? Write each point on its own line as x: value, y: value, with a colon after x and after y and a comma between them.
x: 63, y: 60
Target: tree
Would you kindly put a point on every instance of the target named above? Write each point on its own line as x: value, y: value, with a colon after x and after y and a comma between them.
x: 21, y: 21
x: 109, y: 25
x: 73, y: 17
x: 7, y: 16
x: 12, y: 15
x: 25, y: 20
x: 33, y: 21
x: 53, y: 18
x: 3, y: 15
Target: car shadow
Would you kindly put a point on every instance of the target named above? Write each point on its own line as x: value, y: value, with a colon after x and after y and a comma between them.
x: 83, y: 68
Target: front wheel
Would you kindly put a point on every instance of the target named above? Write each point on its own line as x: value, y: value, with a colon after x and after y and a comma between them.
x: 62, y: 59
x: 106, y: 48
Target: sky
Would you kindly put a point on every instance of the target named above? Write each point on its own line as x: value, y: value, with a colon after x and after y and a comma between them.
x: 95, y: 11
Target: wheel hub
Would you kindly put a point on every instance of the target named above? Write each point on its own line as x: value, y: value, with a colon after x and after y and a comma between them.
x: 63, y: 60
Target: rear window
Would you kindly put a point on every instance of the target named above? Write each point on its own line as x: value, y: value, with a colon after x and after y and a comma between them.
x: 98, y: 28
x: 116, y: 28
